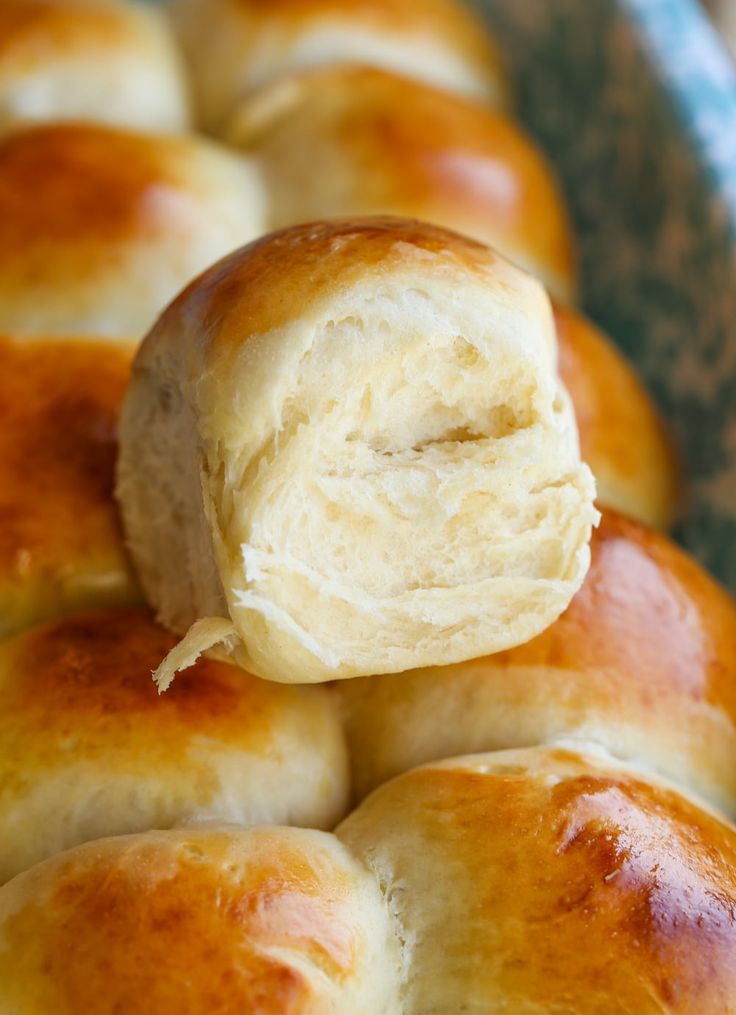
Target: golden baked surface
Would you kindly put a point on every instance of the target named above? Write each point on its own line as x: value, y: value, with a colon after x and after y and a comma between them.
x: 100, y: 228
x: 359, y: 141
x: 103, y: 754
x: 543, y: 880
x: 622, y: 437
x: 226, y: 920
x: 103, y: 61
x: 643, y: 662
x: 234, y: 46
x: 359, y: 435
x: 61, y: 543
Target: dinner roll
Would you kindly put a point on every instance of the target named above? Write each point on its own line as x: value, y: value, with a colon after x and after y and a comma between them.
x: 622, y: 437
x: 98, y: 60
x: 546, y: 881
x: 61, y: 546
x: 643, y: 663
x: 357, y: 141
x: 100, y: 228
x: 225, y: 920
x: 88, y: 748
x: 234, y: 46
x: 346, y: 447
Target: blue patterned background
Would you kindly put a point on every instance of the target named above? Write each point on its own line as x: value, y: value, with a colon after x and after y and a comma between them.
x: 635, y: 102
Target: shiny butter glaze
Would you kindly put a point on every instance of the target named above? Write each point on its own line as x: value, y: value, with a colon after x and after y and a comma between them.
x: 544, y: 880
x: 186, y: 922
x: 61, y: 544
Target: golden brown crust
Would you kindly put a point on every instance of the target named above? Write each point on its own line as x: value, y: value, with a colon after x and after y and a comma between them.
x: 643, y: 661
x: 542, y: 880
x: 60, y: 538
x: 100, y: 227
x: 376, y: 143
x: 218, y: 920
x: 105, y: 61
x: 104, y: 754
x: 282, y: 276
x: 50, y: 24
x: 622, y: 437
x: 234, y: 46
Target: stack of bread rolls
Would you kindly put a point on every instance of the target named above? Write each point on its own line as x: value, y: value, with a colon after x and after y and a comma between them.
x: 430, y: 731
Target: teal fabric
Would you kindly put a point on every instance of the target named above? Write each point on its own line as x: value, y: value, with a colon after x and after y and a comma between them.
x: 635, y: 102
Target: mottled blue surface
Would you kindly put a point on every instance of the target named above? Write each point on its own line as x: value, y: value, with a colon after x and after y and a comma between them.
x: 635, y: 102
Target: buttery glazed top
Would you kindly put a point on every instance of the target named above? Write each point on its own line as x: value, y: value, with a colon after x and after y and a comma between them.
x: 287, y: 276
x: 91, y: 182
x: 227, y: 920
x: 60, y: 538
x: 54, y: 52
x: 621, y: 435
x: 448, y: 21
x: 89, y: 676
x: 374, y: 142
x: 32, y: 31
x: 234, y: 46
x: 102, y: 754
x: 101, y: 227
x: 542, y: 880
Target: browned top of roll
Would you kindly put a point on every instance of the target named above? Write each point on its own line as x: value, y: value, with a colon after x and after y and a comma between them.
x: 100, y: 227
x: 546, y: 880
x: 60, y: 538
x: 353, y: 141
x: 105, y: 61
x: 103, y: 754
x: 234, y: 46
x: 230, y: 920
x: 622, y: 436
x: 286, y: 275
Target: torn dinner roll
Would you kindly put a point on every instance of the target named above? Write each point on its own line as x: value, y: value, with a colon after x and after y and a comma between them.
x: 349, y: 443
x: 233, y: 46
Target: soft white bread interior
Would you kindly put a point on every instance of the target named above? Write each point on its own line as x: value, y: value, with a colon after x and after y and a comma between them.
x: 625, y: 667
x: 101, y: 227
x: 89, y: 749
x: 226, y: 920
x: 233, y: 46
x: 549, y: 881
x: 98, y: 60
x: 348, y: 447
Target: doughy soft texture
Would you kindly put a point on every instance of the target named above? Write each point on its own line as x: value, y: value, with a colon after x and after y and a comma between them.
x: 349, y: 441
x: 548, y: 881
x: 88, y: 748
x: 226, y: 920
x: 100, y: 228
x: 359, y: 141
x: 97, y: 60
x: 643, y: 663
x: 234, y: 46
x: 622, y: 437
x: 61, y: 543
